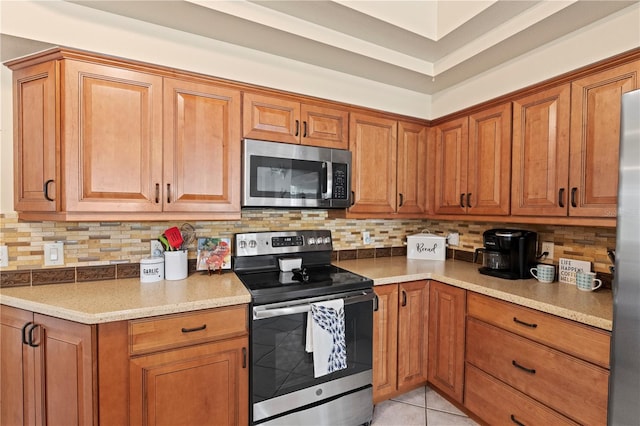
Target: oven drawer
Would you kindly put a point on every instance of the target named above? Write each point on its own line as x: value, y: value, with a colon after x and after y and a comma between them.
x: 171, y: 331
x: 571, y: 386
x: 585, y: 342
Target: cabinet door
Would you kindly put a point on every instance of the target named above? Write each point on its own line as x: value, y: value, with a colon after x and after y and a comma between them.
x: 446, y: 338
x: 373, y: 144
x: 595, y: 139
x: 412, y: 168
x: 323, y: 126
x: 196, y: 385
x: 112, y: 138
x: 67, y: 371
x: 489, y: 174
x: 36, y: 173
x: 17, y: 391
x: 270, y: 118
x: 385, y: 342
x: 201, y: 147
x: 413, y: 320
x: 452, y: 149
x: 540, y: 160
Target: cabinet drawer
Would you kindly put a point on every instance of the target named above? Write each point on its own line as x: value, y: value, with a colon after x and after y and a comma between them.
x: 571, y: 386
x: 152, y: 334
x: 497, y: 403
x: 588, y: 343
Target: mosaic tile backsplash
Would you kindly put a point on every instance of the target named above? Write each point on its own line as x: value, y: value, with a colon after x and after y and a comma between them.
x: 118, y: 243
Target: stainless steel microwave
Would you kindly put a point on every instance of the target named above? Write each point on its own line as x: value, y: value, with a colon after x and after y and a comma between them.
x: 287, y: 175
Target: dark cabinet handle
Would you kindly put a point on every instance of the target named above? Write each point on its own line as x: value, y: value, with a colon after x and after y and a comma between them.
x: 462, y: 200
x: 24, y: 333
x: 516, y: 320
x: 244, y: 357
x: 468, y: 199
x: 191, y: 330
x: 304, y: 126
x: 376, y: 302
x: 573, y: 197
x: 401, y: 199
x: 46, y: 190
x: 30, y: 340
x: 528, y: 370
x: 353, y: 198
x: 561, y: 197
x: 168, y: 193
x: 404, y: 298
x: 297, y: 127
x: 157, y: 193
x: 514, y: 420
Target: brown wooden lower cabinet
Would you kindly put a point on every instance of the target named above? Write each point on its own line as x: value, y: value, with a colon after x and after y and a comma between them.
x: 447, y: 305
x: 182, y: 369
x: 197, y: 385
x: 400, y: 340
x: 498, y: 403
x: 48, y: 374
x: 557, y: 363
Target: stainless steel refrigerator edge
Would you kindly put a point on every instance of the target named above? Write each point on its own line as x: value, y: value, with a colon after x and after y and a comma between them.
x: 624, y: 384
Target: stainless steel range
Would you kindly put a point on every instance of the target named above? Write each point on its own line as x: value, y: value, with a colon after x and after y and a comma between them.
x: 311, y: 331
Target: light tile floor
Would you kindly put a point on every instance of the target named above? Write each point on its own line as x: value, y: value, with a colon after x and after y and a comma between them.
x: 420, y: 407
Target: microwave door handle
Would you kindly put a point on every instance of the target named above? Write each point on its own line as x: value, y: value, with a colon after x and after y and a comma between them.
x: 327, y: 180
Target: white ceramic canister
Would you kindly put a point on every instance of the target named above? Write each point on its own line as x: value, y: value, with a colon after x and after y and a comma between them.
x: 152, y: 269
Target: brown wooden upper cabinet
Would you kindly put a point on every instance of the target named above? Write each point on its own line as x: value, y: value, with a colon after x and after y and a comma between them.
x: 283, y: 120
x: 389, y: 166
x: 121, y: 140
x: 566, y: 146
x: 472, y: 169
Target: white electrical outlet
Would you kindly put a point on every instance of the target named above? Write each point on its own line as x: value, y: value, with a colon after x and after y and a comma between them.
x: 453, y: 239
x: 548, y: 247
x: 156, y: 248
x: 53, y: 254
x: 4, y: 257
x: 366, y: 237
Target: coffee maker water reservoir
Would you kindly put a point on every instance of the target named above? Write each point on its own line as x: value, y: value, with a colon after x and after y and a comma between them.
x: 508, y: 253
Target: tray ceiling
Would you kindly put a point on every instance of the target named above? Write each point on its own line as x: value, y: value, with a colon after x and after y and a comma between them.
x: 424, y: 46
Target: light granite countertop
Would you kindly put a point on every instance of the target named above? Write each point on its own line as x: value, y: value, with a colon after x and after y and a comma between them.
x: 561, y: 299
x: 105, y: 301
x: 114, y: 300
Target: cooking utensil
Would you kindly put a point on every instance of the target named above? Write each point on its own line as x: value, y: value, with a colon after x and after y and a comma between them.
x: 188, y: 235
x: 174, y: 237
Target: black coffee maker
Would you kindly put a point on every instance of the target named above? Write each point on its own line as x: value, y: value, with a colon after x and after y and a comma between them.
x: 508, y: 253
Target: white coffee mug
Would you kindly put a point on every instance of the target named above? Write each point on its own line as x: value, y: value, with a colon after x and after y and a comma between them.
x: 587, y: 281
x: 544, y: 273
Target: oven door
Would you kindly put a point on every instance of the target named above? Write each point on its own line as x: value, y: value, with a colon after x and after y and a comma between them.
x: 282, y: 371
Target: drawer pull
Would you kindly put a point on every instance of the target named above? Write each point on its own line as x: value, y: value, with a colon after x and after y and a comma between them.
x: 516, y: 320
x: 528, y: 370
x: 513, y: 419
x: 191, y: 330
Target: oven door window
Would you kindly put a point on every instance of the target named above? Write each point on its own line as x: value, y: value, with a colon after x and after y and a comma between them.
x: 281, y: 364
x: 273, y: 177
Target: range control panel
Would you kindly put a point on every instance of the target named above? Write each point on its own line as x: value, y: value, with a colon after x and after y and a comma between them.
x: 279, y: 242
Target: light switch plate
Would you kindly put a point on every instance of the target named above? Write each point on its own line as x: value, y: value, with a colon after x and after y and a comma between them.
x: 53, y: 254
x: 4, y: 257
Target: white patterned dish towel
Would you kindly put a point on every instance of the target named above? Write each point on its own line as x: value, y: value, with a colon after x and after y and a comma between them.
x: 325, y: 337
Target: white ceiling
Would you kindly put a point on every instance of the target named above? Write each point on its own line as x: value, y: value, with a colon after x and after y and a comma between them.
x: 423, y: 46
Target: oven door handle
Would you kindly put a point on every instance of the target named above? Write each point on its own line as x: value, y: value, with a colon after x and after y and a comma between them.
x: 305, y: 307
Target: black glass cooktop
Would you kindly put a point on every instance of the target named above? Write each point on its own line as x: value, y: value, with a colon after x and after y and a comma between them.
x: 276, y: 286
